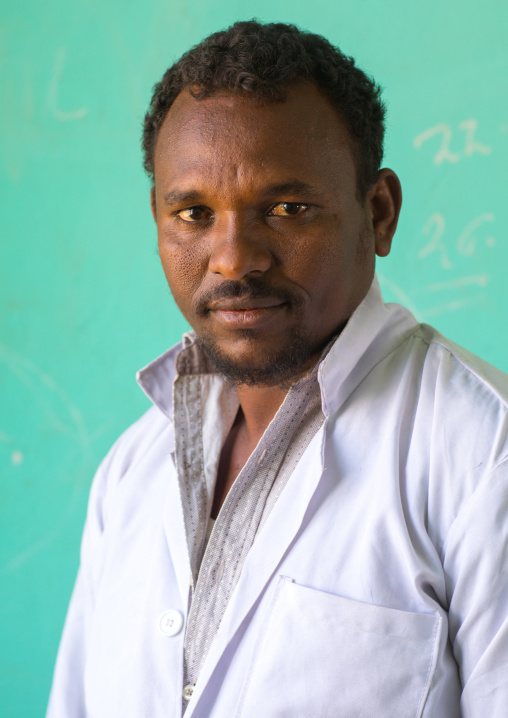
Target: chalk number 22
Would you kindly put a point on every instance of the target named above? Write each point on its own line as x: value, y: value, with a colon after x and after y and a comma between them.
x: 444, y: 153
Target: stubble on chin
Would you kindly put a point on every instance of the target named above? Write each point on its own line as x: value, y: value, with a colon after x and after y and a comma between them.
x: 278, y: 368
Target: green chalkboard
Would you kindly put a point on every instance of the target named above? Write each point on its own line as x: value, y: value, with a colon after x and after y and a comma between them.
x: 84, y: 302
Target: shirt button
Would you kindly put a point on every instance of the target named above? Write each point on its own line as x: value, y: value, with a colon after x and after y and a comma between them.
x: 170, y: 622
x: 187, y: 692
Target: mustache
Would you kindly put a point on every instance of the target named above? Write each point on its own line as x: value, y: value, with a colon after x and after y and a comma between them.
x: 251, y: 288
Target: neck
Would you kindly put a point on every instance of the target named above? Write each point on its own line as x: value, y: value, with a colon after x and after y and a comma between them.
x: 259, y: 405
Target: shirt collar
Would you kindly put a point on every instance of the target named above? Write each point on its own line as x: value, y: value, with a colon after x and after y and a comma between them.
x: 365, y: 340
x: 372, y: 332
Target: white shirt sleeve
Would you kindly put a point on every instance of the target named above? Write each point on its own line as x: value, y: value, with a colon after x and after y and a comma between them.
x: 67, y: 693
x: 475, y: 560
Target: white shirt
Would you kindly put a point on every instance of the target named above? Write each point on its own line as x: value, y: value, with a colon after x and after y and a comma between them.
x: 378, y: 585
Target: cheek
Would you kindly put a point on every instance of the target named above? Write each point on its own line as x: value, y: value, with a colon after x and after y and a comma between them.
x: 184, y: 265
x: 316, y: 255
x: 303, y: 251
x: 336, y: 269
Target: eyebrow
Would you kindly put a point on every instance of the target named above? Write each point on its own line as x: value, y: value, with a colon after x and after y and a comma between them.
x: 292, y: 187
x: 182, y: 197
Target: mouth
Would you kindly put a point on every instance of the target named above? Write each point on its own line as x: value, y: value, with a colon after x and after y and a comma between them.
x: 238, y: 313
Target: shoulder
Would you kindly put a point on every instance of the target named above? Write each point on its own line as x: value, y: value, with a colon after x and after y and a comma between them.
x: 136, y: 441
x: 148, y: 439
x: 457, y: 429
x: 464, y: 399
x: 441, y: 410
x: 458, y: 402
x: 460, y: 370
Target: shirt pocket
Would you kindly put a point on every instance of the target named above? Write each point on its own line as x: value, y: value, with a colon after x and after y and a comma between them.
x: 326, y: 656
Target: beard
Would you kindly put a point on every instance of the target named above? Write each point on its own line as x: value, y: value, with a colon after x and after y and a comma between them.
x: 280, y: 368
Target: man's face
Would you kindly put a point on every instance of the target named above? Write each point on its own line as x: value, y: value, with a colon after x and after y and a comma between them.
x: 265, y: 245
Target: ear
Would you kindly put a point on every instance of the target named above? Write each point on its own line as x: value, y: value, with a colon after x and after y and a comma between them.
x: 384, y: 199
x: 152, y: 203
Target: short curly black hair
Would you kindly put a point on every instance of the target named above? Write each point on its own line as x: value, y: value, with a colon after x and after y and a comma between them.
x: 263, y: 60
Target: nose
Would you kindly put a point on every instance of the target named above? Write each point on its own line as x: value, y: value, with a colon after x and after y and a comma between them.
x: 239, y: 249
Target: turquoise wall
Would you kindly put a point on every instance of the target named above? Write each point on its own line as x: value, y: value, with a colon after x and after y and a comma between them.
x: 84, y: 303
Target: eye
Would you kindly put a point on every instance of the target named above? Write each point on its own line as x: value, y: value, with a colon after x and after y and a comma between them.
x: 288, y: 209
x: 194, y: 214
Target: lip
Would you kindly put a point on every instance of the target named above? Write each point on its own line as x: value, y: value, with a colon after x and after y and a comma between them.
x: 247, y: 314
x: 242, y: 304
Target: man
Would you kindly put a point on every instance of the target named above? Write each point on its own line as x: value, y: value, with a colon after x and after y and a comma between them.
x: 312, y: 519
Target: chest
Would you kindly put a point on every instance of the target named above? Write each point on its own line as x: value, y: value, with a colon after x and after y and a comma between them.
x: 339, y: 547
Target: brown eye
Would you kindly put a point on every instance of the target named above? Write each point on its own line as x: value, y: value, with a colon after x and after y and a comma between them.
x: 194, y: 214
x: 288, y: 209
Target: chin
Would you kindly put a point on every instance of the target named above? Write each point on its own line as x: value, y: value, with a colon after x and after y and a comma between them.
x: 277, y: 366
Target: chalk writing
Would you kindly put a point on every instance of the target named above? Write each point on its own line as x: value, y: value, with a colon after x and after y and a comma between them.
x: 479, y: 280
x: 434, y: 227
x: 467, y: 241
x: 63, y: 116
x: 444, y: 152
x: 422, y: 314
x: 471, y: 146
x: 62, y: 425
x: 16, y: 457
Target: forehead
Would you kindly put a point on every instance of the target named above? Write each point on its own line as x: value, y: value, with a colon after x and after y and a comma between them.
x: 233, y: 133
